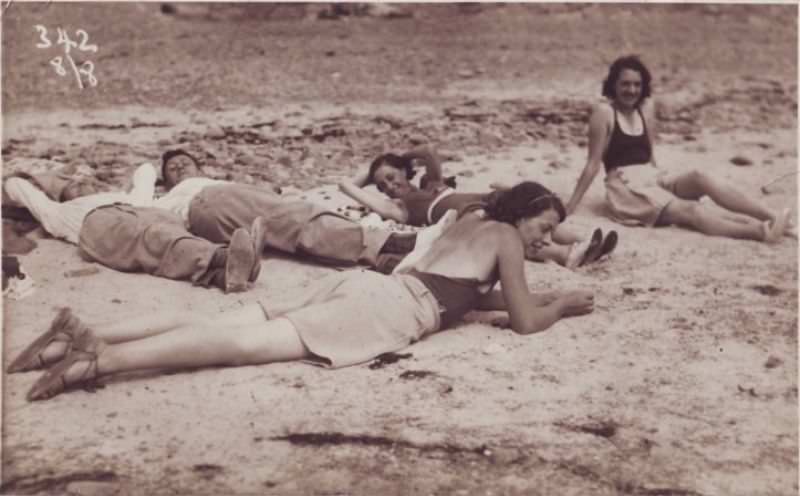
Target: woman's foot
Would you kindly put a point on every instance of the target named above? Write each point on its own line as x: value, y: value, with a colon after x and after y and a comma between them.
x: 78, y: 367
x: 51, y: 346
x: 774, y: 230
x: 580, y: 252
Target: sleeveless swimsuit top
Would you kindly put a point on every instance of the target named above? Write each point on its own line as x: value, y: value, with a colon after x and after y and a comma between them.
x: 625, y: 149
x: 426, y: 207
x: 456, y: 295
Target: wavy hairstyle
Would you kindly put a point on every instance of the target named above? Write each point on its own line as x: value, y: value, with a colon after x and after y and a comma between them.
x: 392, y: 160
x: 633, y: 63
x: 169, y: 154
x: 526, y: 199
x: 403, y: 164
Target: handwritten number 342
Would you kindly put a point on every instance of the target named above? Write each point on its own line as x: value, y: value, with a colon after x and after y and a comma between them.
x: 63, y: 38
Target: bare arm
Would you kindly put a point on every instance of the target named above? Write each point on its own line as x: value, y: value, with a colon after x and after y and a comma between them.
x: 598, y: 140
x: 433, y: 164
x: 525, y: 315
x: 383, y: 206
x: 494, y: 300
x: 649, y: 113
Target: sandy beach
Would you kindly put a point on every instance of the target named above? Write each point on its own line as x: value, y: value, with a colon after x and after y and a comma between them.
x: 682, y: 382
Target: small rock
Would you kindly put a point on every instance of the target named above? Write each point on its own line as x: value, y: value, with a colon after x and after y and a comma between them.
x: 466, y: 173
x: 466, y: 73
x: 741, y: 161
x: 215, y: 132
x: 164, y: 143
x: 773, y: 362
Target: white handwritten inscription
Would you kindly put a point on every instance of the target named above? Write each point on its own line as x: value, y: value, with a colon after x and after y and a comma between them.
x: 86, y: 69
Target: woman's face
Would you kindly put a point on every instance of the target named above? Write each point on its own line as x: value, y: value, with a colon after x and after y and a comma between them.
x: 535, y: 231
x: 391, y: 182
x: 628, y: 88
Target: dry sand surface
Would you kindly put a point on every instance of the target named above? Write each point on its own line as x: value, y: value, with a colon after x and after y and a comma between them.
x: 682, y: 382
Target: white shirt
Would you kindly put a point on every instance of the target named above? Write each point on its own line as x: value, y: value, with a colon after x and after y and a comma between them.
x: 177, y: 200
x: 64, y: 220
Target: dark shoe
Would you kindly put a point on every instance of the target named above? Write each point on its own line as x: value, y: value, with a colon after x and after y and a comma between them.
x: 606, y: 247
x: 593, y: 250
x: 53, y: 382
x: 241, y: 258
x: 258, y: 231
x: 65, y: 328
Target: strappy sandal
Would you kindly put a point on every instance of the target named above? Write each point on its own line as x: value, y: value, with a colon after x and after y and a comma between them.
x: 53, y: 382
x: 65, y: 328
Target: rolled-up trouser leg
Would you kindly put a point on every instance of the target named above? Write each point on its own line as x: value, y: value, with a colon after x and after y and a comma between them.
x: 330, y: 237
x: 293, y: 226
x: 141, y: 239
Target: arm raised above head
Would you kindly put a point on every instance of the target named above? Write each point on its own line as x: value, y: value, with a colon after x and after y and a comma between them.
x: 383, y: 206
x: 433, y: 164
x: 598, y: 140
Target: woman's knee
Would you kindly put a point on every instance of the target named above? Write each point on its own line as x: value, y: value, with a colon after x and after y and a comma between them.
x: 692, y: 185
x: 681, y: 212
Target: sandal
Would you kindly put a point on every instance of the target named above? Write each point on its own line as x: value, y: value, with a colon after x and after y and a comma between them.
x: 65, y: 328
x: 53, y: 382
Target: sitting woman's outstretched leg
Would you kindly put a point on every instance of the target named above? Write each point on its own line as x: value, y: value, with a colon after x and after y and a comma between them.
x: 241, y: 337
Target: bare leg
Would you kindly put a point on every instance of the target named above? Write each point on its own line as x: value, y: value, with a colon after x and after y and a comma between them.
x: 695, y: 184
x: 244, y: 337
x: 124, y: 330
x: 556, y: 253
x: 564, y: 236
x: 695, y: 216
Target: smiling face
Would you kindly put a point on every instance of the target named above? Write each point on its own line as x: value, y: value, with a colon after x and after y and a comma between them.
x: 391, y: 181
x: 628, y: 88
x: 178, y: 168
x: 535, y: 231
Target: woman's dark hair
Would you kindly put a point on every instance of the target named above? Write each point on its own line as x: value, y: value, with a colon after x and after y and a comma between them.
x: 392, y: 160
x: 526, y: 199
x: 631, y: 62
x: 169, y: 154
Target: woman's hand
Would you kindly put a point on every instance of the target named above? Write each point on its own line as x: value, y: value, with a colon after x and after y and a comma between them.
x: 578, y: 302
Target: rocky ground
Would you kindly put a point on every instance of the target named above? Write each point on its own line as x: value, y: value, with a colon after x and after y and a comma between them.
x: 683, y: 381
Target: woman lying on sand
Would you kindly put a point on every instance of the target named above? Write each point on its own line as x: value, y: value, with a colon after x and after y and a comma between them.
x: 426, y: 204
x: 621, y: 136
x: 347, y: 318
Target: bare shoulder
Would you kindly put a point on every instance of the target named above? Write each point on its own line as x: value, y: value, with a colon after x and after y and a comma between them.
x: 602, y: 113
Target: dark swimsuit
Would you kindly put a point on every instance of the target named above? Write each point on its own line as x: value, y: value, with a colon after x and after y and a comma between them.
x: 419, y: 202
x: 456, y: 295
x: 625, y: 149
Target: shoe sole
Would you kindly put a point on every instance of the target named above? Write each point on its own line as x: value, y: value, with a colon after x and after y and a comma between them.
x: 258, y: 232
x: 239, y: 265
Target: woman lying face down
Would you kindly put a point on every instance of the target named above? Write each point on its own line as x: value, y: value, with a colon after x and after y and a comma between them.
x: 343, y: 319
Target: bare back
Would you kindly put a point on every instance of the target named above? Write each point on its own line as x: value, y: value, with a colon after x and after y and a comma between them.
x: 468, y: 250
